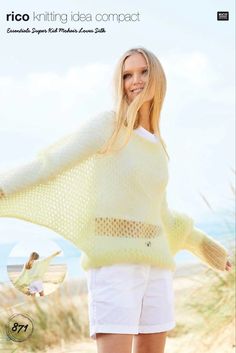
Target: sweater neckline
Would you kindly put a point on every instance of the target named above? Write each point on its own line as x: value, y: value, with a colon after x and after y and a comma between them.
x: 146, y: 135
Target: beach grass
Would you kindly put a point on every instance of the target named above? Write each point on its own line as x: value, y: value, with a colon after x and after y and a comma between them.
x: 58, y: 317
x: 205, y: 315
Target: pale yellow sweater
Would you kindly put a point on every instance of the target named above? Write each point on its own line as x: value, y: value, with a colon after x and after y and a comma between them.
x: 113, y: 208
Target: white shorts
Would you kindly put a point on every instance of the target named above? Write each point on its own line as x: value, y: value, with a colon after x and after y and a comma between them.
x: 130, y: 299
x: 36, y: 287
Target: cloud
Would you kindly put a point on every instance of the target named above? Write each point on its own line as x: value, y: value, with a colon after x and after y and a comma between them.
x: 76, y: 80
x: 192, y: 67
x: 46, y: 98
x: 197, y: 91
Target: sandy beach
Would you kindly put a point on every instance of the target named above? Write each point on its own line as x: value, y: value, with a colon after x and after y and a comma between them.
x: 52, y: 279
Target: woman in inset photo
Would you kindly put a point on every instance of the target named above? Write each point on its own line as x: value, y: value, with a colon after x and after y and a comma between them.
x: 37, y: 285
x: 30, y: 280
x: 104, y: 188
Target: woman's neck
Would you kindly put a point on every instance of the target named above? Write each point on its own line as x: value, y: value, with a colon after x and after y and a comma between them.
x: 144, y: 116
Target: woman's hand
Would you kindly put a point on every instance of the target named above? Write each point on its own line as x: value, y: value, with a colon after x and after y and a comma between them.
x: 228, y: 266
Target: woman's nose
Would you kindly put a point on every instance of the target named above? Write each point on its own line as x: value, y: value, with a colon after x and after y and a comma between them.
x: 137, y: 78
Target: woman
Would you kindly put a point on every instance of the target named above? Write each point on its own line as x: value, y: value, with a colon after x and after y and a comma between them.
x: 32, y: 274
x: 104, y: 188
x: 37, y: 285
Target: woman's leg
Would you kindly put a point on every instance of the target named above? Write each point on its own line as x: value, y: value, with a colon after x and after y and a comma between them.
x: 149, y: 342
x: 114, y: 343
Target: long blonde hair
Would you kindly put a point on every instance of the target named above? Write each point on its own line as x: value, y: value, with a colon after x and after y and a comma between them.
x: 126, y: 115
x: 33, y: 256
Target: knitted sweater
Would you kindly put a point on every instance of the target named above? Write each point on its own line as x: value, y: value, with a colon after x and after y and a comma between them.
x: 113, y: 208
x: 37, y: 271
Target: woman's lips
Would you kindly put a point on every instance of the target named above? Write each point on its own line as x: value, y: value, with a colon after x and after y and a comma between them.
x: 136, y: 90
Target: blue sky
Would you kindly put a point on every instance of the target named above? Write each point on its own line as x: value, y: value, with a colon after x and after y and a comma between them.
x: 50, y: 84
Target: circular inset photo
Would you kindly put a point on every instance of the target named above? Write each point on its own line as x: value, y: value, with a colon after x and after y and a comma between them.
x: 36, y: 269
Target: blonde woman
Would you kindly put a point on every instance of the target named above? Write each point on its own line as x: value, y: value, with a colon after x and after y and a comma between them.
x: 104, y: 189
x: 37, y: 285
x: 32, y: 274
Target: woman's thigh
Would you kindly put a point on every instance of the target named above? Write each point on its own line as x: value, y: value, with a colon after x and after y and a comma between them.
x: 114, y: 343
x: 122, y: 343
x: 149, y: 342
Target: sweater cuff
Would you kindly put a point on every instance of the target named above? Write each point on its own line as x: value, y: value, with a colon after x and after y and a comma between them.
x: 209, y: 250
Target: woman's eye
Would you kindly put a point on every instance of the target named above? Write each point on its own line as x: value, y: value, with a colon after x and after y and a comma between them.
x: 145, y: 71
x: 126, y: 76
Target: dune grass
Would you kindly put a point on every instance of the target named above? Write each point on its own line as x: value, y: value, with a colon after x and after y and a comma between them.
x: 208, y: 321
x: 57, y: 318
x: 214, y: 303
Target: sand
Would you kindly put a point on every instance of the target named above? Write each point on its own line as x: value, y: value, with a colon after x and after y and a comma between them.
x: 51, y: 280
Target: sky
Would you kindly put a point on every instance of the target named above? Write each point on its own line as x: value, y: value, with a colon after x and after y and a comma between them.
x: 24, y: 249
x: 50, y: 84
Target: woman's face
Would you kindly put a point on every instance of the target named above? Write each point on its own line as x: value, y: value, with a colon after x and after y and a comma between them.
x: 135, y: 75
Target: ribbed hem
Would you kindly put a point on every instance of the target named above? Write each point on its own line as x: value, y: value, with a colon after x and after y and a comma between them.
x: 132, y: 330
x: 112, y: 257
x: 214, y: 254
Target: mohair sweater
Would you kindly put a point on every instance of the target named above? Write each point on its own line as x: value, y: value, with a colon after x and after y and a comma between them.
x: 37, y: 271
x: 113, y: 208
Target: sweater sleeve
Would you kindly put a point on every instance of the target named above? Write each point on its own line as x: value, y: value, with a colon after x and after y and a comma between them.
x: 73, y: 148
x: 182, y: 234
x: 49, y: 258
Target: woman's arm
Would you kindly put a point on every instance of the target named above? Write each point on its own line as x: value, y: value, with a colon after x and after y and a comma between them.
x: 74, y: 148
x: 209, y: 250
x: 52, y: 256
x: 47, y: 259
x: 20, y: 177
x: 183, y: 235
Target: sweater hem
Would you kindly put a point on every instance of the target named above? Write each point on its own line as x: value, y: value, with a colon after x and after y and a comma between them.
x: 87, y: 264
